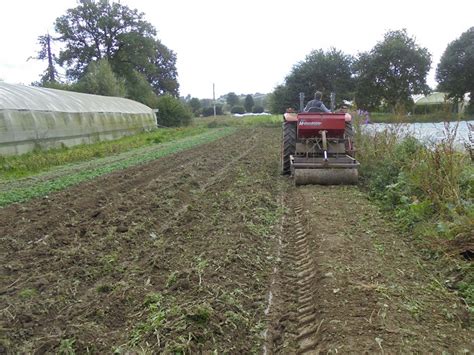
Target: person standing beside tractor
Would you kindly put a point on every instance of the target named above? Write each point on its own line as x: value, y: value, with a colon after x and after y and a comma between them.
x: 316, y: 105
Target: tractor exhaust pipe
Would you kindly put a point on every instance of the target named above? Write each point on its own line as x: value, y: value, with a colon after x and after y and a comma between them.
x: 301, y: 101
x: 333, y: 101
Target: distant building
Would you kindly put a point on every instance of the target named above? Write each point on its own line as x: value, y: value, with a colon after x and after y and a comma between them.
x: 439, y: 101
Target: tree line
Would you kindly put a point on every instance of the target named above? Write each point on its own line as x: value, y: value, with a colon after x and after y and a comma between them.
x: 230, y: 102
x: 109, y: 49
x: 384, y: 78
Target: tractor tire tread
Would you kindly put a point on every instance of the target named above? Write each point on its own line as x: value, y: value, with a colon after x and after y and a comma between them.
x: 288, y: 146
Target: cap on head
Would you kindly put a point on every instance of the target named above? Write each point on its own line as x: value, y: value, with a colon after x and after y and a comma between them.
x: 318, y: 95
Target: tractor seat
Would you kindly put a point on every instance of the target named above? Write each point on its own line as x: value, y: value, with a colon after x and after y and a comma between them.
x: 315, y: 109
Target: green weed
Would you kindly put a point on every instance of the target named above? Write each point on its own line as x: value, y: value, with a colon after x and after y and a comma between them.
x: 201, y: 313
x: 380, y: 248
x: 415, y: 308
x: 28, y: 293
x: 172, y: 278
x: 66, y: 347
x: 154, y: 322
x: 201, y: 264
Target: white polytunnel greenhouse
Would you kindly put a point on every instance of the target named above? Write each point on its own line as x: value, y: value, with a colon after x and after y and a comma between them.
x: 33, y: 117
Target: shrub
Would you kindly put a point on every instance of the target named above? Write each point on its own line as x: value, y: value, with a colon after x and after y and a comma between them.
x: 423, y: 185
x: 172, y: 112
x: 209, y: 111
x: 237, y: 109
x: 257, y: 109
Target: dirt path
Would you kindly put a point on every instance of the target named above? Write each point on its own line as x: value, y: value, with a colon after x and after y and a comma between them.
x: 350, y: 283
x: 212, y: 250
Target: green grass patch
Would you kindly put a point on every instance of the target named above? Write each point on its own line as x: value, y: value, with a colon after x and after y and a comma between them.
x: 13, y: 167
x: 45, y: 187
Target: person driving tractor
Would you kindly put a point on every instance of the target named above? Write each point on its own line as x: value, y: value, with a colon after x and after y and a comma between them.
x: 316, y: 105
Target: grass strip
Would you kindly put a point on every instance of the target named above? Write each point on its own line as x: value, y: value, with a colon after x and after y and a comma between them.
x: 14, y: 167
x: 41, y: 189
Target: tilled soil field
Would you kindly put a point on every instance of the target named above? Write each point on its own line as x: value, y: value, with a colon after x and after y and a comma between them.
x: 211, y: 249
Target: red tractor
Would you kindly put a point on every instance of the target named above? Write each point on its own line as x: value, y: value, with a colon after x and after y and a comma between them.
x: 317, y: 148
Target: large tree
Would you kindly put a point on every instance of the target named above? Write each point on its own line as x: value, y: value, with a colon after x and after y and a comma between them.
x: 164, y: 76
x: 50, y: 75
x: 100, y: 29
x: 366, y: 94
x: 324, y: 71
x: 455, y: 72
x: 392, y: 71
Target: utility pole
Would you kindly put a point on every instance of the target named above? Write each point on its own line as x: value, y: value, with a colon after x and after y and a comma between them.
x: 214, y: 97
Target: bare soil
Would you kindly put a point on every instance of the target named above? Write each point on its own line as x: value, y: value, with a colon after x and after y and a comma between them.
x: 350, y: 283
x: 211, y: 250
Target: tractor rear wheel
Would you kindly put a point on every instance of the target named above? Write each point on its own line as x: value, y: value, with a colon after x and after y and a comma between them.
x: 288, y: 146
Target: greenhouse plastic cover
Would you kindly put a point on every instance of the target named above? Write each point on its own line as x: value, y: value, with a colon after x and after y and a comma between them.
x: 433, y: 99
x: 20, y: 97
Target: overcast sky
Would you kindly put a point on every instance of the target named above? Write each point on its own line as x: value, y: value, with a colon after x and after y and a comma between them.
x: 244, y: 46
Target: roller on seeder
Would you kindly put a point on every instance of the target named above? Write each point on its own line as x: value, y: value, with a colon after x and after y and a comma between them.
x: 317, y: 148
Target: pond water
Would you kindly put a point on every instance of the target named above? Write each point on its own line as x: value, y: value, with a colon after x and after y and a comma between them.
x: 428, y: 132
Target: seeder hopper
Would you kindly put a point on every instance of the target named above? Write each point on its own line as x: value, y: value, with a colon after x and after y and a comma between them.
x: 318, y: 148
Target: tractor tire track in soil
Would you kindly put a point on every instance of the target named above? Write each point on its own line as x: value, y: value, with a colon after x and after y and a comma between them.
x: 306, y: 289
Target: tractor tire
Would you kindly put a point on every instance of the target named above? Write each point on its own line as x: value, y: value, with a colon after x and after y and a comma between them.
x: 349, y: 131
x: 288, y: 146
